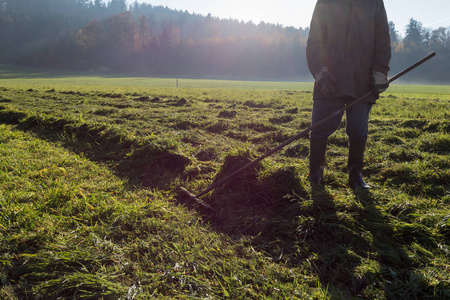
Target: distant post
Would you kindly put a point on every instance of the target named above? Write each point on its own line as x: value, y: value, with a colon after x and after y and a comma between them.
x: 177, y: 82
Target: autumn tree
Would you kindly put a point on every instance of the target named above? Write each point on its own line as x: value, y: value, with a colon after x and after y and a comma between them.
x: 143, y: 35
x: 90, y: 37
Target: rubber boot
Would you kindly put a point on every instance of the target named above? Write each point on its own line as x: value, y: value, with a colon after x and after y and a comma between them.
x: 317, y: 148
x: 355, y: 164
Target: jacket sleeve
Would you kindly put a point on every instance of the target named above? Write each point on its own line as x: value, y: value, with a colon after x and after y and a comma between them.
x: 316, y: 37
x: 382, y: 55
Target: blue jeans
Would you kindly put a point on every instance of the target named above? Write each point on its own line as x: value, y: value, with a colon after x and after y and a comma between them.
x: 357, y: 118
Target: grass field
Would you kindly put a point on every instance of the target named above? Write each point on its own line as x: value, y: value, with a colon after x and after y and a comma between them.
x: 32, y: 78
x: 90, y: 208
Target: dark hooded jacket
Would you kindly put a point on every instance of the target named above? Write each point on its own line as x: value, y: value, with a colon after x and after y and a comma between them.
x: 350, y: 38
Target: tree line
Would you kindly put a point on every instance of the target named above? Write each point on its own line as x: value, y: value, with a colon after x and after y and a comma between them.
x: 158, y: 41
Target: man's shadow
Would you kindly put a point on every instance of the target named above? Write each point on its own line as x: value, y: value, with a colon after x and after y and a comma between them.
x: 399, y: 275
x: 364, y: 254
x: 333, y: 255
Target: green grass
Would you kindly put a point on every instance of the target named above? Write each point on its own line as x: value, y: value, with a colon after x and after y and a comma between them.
x: 34, y: 78
x: 25, y: 78
x: 90, y: 208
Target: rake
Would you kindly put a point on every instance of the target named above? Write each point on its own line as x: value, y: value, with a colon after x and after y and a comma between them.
x: 196, y: 198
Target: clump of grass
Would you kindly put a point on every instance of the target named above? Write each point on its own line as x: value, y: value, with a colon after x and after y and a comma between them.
x: 250, y: 201
x: 228, y: 114
x: 241, y: 195
x: 437, y: 144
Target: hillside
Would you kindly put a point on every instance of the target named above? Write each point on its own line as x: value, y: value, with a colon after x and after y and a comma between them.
x: 157, y: 41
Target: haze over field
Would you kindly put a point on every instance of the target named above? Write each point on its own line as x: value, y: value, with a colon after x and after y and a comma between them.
x: 201, y: 39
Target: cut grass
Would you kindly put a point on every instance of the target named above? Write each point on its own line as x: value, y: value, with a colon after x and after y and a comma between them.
x: 89, y: 207
x: 70, y: 228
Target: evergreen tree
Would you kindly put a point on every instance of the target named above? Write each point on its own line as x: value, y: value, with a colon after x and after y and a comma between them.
x: 395, y: 38
x: 440, y: 40
x: 415, y: 34
x: 117, y: 6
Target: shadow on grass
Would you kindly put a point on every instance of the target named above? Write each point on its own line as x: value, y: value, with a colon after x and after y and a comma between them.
x: 336, y: 248
x: 356, y: 254
x: 148, y: 165
x: 398, y: 274
x: 362, y: 254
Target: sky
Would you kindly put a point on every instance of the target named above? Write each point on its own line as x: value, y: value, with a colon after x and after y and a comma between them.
x: 297, y: 13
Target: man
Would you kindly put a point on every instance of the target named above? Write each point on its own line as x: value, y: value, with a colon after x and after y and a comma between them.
x: 348, y: 53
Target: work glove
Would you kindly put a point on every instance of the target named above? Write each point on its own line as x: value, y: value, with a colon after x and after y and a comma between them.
x: 380, y: 83
x: 326, y: 81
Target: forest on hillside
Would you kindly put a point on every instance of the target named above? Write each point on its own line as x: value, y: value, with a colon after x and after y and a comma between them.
x: 152, y: 40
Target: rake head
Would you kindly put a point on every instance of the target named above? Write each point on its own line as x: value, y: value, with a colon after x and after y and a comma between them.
x: 192, y: 198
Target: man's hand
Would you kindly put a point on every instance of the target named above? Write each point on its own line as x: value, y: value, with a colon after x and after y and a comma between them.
x: 380, y: 83
x: 326, y: 82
